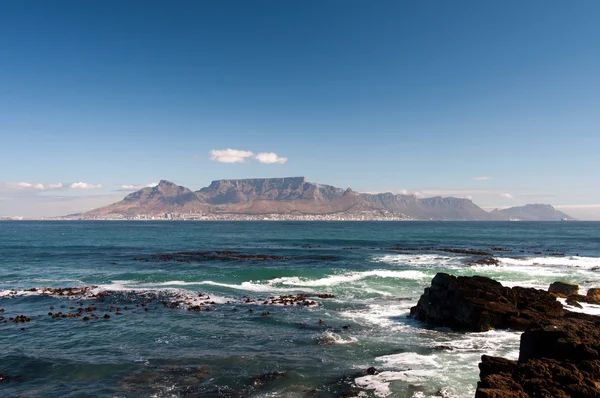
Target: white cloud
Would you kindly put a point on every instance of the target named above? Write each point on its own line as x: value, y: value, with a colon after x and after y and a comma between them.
x: 85, y: 185
x: 482, y: 178
x: 270, y: 157
x: 230, y: 155
x: 507, y: 195
x: 236, y: 156
x: 132, y: 187
x: 38, y: 186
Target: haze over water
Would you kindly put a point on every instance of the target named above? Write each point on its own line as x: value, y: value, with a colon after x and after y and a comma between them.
x: 322, y: 350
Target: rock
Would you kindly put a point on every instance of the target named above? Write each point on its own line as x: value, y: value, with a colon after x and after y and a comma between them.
x: 594, y: 293
x: 578, y: 298
x: 574, y: 337
x: 563, y: 288
x: 559, y: 357
x: 479, y: 304
x: 485, y: 261
x: 540, y: 378
x: 572, y: 301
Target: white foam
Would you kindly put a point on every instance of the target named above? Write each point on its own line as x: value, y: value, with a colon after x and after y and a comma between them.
x: 347, y: 278
x: 529, y: 270
x: 591, y: 309
x: 422, y: 260
x: 381, y: 315
x: 553, y: 261
x: 334, y: 338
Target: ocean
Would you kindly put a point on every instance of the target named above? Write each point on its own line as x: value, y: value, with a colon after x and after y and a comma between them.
x: 259, y: 309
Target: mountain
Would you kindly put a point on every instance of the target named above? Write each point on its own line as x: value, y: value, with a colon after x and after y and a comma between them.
x: 297, y: 197
x: 165, y: 197
x: 532, y: 212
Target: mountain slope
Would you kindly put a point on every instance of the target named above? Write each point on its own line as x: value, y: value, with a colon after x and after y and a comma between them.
x: 166, y: 197
x: 532, y: 212
x: 296, y: 196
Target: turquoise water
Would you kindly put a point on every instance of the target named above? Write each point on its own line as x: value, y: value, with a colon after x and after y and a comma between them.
x: 237, y: 345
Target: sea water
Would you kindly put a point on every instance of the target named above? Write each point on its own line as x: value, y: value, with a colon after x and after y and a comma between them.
x: 153, y: 344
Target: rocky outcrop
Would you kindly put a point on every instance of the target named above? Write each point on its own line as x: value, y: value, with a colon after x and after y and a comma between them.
x: 563, y: 288
x: 548, y: 378
x: 559, y: 352
x: 594, y: 293
x: 560, y: 358
x: 479, y: 304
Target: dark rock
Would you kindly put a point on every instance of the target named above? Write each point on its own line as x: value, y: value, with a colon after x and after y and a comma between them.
x: 574, y: 337
x: 479, y: 304
x: 564, y: 288
x: 572, y: 301
x: 538, y: 378
x: 594, y: 293
x: 485, y: 261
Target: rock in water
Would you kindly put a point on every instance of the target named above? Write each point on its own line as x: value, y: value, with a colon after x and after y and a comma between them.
x: 575, y: 337
x: 563, y: 288
x: 479, y: 304
x: 594, y: 293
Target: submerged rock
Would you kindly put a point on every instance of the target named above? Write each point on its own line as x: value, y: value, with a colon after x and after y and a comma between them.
x: 479, y: 304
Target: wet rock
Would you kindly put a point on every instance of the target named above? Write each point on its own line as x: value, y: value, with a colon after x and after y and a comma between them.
x: 538, y: 378
x: 594, y: 293
x: 20, y: 319
x: 485, y: 261
x: 572, y: 301
x: 559, y: 354
x: 563, y: 288
x: 479, y: 304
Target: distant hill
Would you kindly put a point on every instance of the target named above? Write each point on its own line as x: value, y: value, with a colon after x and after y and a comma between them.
x: 532, y: 212
x: 294, y: 196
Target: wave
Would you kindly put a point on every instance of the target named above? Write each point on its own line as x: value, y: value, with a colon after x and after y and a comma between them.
x: 422, y: 260
x: 433, y: 369
x: 347, y: 278
x: 588, y: 263
x: 334, y: 338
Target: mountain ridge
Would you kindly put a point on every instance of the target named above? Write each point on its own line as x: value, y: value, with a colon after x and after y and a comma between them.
x: 297, y: 196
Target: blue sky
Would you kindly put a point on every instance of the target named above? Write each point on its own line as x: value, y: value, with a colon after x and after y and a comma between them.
x: 381, y: 96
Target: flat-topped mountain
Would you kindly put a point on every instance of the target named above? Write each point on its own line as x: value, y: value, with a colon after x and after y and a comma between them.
x: 277, y: 189
x: 296, y: 196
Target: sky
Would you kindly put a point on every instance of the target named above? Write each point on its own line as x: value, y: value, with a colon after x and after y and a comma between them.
x: 497, y: 101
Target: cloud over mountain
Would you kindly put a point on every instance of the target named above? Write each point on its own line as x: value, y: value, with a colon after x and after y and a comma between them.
x: 135, y: 187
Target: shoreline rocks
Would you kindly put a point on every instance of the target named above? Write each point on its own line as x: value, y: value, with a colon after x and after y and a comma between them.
x: 479, y: 304
x: 559, y: 353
